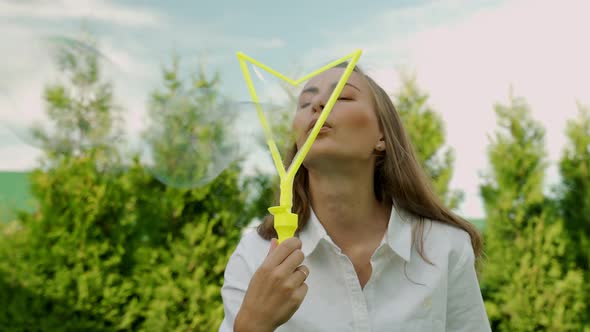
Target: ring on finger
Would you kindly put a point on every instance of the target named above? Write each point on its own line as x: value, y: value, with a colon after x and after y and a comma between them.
x: 305, y: 273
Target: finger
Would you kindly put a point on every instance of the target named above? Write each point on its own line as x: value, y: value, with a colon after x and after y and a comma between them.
x: 299, y: 294
x: 304, y: 270
x: 282, y: 251
x: 273, y: 245
x: 288, y: 266
x: 299, y: 276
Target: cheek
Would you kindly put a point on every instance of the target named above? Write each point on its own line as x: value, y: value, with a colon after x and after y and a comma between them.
x: 298, y: 128
x: 360, y: 128
x: 298, y: 124
x: 359, y: 120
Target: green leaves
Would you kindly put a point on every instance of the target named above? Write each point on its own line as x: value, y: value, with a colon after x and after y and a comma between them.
x: 116, y: 249
x: 426, y: 130
x: 574, y: 192
x: 528, y: 281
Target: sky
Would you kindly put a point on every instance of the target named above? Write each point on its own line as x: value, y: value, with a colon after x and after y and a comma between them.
x: 466, y: 55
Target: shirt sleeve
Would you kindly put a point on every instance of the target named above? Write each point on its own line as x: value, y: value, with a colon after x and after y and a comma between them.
x: 465, y: 307
x: 237, y: 277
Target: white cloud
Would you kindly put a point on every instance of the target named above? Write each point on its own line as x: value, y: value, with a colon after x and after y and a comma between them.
x: 20, y: 107
x: 384, y: 38
x: 18, y: 158
x: 272, y: 43
x: 75, y: 9
x: 134, y: 67
x: 27, y: 65
x: 467, y: 58
x: 535, y: 46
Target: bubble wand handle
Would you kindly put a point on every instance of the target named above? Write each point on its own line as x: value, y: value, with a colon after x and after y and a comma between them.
x: 285, y: 222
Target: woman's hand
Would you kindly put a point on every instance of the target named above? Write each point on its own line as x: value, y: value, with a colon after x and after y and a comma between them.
x: 276, y: 289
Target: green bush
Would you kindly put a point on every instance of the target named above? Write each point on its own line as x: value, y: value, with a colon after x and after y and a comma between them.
x: 426, y: 131
x: 110, y: 247
x: 119, y: 252
x: 529, y: 280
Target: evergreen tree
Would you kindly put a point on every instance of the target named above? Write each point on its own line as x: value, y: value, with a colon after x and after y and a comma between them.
x: 426, y: 131
x: 574, y: 193
x: 575, y: 190
x: 527, y: 281
x: 84, y: 116
x: 121, y: 251
x: 187, y: 138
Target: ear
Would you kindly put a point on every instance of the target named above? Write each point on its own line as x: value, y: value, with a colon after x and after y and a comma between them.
x: 380, y: 146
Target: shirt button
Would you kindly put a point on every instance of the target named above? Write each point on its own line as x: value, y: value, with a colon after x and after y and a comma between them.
x: 427, y: 303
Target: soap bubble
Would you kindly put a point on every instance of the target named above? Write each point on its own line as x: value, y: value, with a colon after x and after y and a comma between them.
x: 273, y: 91
x: 65, y: 104
x: 193, y: 137
x: 188, y: 142
x: 255, y: 141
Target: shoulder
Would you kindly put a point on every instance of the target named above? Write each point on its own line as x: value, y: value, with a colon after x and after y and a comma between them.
x: 451, y: 242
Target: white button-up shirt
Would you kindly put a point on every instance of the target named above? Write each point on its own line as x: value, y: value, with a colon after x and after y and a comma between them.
x: 404, y: 293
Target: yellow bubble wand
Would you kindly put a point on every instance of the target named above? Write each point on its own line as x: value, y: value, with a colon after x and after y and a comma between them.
x: 285, y: 222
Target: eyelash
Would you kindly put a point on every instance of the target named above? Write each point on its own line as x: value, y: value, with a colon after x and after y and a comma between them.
x: 341, y: 98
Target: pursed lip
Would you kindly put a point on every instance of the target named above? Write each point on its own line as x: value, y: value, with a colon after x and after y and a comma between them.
x: 314, y: 121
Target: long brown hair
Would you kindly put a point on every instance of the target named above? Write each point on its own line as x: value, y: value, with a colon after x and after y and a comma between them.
x: 399, y: 178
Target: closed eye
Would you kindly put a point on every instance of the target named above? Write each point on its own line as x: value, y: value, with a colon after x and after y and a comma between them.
x: 304, y: 105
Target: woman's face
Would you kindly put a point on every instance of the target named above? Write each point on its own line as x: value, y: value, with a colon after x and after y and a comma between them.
x: 351, y: 131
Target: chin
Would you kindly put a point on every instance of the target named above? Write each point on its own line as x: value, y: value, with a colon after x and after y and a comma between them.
x: 324, y: 154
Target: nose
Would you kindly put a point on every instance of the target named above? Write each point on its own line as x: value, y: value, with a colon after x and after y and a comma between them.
x: 318, y: 103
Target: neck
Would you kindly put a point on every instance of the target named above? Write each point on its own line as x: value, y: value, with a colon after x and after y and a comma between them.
x: 345, y: 203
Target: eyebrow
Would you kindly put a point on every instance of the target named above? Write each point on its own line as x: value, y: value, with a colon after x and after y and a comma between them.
x: 313, y: 89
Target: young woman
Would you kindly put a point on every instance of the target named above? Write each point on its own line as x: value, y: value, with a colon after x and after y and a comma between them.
x: 375, y: 249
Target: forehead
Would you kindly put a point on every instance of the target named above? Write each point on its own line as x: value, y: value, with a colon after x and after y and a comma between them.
x: 331, y: 76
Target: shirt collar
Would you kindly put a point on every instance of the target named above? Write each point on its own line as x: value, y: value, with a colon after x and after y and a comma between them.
x: 399, y: 233
x: 398, y: 236
x: 312, y: 233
